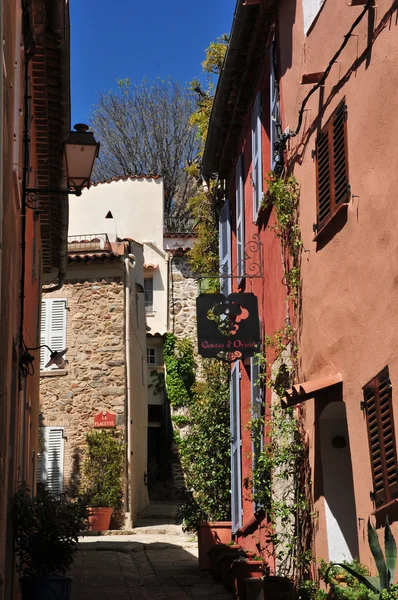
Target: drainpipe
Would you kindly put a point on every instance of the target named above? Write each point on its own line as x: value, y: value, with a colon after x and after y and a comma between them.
x: 128, y: 264
x: 1, y: 141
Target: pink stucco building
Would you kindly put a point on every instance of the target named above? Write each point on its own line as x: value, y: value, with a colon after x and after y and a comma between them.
x: 307, y: 90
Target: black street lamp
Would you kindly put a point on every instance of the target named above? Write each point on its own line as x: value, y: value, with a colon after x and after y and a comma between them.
x: 80, y: 151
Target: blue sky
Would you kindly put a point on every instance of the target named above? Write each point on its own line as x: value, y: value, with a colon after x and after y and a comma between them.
x: 136, y: 39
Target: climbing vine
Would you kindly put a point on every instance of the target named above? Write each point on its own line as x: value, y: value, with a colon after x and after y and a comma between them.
x: 283, y: 196
x: 202, y: 432
x: 280, y: 479
x: 179, y: 365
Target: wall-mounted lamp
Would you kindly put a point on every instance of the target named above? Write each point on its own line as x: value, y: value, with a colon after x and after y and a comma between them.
x: 80, y: 151
x: 56, y: 358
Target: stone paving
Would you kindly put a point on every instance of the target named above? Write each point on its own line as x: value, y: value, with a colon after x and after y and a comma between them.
x: 155, y: 561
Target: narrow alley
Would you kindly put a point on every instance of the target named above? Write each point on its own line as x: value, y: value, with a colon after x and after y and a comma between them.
x: 155, y: 561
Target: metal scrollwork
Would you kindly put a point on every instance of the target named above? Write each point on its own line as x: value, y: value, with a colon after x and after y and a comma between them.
x: 250, y: 266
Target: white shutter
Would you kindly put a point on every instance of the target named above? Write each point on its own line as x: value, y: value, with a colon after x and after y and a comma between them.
x: 50, y: 462
x: 53, y: 328
x: 240, y: 220
x: 257, y: 413
x: 236, y: 469
x: 275, y: 110
x: 225, y: 247
x: 257, y: 175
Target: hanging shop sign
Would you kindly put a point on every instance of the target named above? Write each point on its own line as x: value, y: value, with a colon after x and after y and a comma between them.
x: 228, y: 326
x: 105, y: 419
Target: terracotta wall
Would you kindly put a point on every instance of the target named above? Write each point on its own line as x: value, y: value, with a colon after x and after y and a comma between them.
x: 349, y: 294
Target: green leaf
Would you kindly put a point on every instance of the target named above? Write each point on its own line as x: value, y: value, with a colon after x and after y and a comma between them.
x: 377, y: 552
x: 391, y: 553
x: 372, y: 583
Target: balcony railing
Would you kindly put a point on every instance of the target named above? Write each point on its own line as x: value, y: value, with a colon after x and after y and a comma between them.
x: 179, y: 225
x: 89, y: 243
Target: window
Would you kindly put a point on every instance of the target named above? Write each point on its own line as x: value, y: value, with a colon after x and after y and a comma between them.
x: 381, y: 435
x: 50, y: 458
x: 257, y: 173
x: 148, y: 288
x: 332, y: 167
x: 225, y: 247
x: 257, y: 413
x: 151, y: 356
x: 236, y: 469
x: 53, y: 329
x: 275, y: 116
x: 240, y: 220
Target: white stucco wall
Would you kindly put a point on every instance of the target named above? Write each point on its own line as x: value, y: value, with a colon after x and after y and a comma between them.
x: 137, y: 208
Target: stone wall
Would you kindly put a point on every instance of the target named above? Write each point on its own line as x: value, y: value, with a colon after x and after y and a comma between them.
x: 183, y: 290
x: 94, y: 379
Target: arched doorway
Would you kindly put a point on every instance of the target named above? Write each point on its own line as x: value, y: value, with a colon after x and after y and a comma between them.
x: 338, y: 488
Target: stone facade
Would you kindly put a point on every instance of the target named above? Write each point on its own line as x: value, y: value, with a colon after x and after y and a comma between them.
x: 94, y: 379
x: 183, y: 290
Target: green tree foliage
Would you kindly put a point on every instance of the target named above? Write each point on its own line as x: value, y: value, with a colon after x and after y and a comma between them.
x: 204, y: 448
x: 102, y: 469
x: 146, y: 128
x: 204, y: 255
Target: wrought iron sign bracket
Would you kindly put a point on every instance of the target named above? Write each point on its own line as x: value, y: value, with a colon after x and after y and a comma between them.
x: 250, y: 267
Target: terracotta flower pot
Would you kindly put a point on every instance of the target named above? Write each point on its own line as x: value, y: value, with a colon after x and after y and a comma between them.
x: 277, y: 588
x: 254, y: 588
x: 99, y: 518
x: 210, y: 534
x: 224, y: 562
x: 244, y: 569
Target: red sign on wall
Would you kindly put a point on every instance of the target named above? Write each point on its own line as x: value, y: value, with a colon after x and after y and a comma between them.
x: 105, y: 419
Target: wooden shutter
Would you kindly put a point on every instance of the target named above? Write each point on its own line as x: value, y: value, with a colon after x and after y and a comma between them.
x: 240, y: 220
x: 381, y: 435
x: 257, y: 413
x: 53, y: 328
x: 225, y: 247
x: 332, y: 167
x: 236, y: 469
x: 50, y: 461
x: 257, y: 177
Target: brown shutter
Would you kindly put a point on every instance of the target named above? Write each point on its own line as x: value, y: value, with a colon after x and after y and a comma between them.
x: 332, y: 166
x: 381, y: 435
x: 340, y: 180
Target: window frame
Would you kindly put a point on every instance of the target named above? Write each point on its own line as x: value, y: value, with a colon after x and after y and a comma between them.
x: 256, y: 391
x: 257, y: 170
x: 240, y: 219
x: 377, y: 395
x: 326, y: 172
x: 275, y: 110
x: 148, y: 351
x: 236, y: 449
x: 148, y: 303
x: 224, y: 228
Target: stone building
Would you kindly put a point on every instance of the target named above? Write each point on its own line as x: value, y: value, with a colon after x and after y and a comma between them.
x: 99, y: 315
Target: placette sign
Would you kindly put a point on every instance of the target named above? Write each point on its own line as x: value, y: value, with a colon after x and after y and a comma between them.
x: 105, y: 419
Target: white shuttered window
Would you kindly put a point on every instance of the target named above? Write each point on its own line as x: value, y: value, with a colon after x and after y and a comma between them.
x: 53, y: 328
x: 236, y: 465
x: 225, y: 247
x: 257, y: 174
x: 240, y: 220
x: 50, y: 459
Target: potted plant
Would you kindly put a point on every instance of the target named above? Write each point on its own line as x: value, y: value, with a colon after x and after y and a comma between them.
x: 211, y: 534
x: 46, y: 528
x: 102, y: 476
x: 244, y: 568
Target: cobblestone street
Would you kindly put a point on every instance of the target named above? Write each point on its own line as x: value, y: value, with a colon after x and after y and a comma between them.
x: 154, y: 562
